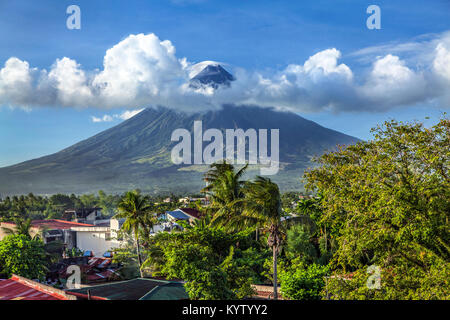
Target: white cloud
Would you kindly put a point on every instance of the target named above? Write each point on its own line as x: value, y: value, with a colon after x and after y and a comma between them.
x: 105, y: 118
x: 441, y: 63
x: 143, y: 70
x: 140, y: 68
x: 324, y: 63
x: 127, y: 114
x: 392, y: 83
x: 70, y: 83
x: 16, y: 82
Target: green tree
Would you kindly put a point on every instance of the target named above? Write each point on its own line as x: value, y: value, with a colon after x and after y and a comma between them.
x: 301, y: 281
x: 89, y: 200
x: 23, y: 256
x: 205, y: 257
x: 21, y: 226
x: 262, y: 207
x: 299, y: 244
x: 135, y: 208
x: 390, y: 201
x: 224, y: 190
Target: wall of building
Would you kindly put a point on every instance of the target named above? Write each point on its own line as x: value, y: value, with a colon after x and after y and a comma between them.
x: 96, y: 242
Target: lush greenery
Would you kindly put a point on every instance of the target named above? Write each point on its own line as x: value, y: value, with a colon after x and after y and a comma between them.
x: 373, y: 226
x: 39, y: 207
x: 21, y: 255
x: 388, y: 204
x: 208, y: 258
x: 301, y: 281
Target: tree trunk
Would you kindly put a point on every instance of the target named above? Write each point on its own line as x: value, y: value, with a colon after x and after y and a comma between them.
x: 257, y: 234
x: 275, y: 282
x: 139, y: 254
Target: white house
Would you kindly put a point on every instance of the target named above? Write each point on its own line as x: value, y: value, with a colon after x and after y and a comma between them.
x: 98, y: 239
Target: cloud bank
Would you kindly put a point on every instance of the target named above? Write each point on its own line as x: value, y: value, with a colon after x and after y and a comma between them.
x: 143, y: 70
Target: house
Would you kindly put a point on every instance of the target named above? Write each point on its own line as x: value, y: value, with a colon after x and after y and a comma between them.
x: 85, y: 215
x: 188, y: 200
x: 51, y: 230
x: 20, y: 288
x: 186, y: 214
x: 98, y: 238
x: 135, y: 289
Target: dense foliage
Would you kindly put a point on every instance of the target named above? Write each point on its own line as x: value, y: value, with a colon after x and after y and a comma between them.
x: 389, y: 200
x: 301, y: 281
x: 41, y: 207
x: 376, y: 228
x: 206, y: 258
x: 21, y: 255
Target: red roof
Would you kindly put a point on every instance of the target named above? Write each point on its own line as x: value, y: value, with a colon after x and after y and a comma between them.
x: 19, y: 288
x: 56, y: 224
x: 97, y: 269
x: 102, y: 276
x: 192, y: 212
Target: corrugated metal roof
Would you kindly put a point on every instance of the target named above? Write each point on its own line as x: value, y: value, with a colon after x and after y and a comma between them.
x: 97, y: 269
x: 169, y: 291
x: 18, y: 288
x: 178, y: 215
x: 58, y: 224
x: 192, y: 212
x: 137, y: 289
x: 55, y: 224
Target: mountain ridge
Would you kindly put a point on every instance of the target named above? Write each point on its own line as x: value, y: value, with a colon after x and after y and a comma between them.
x: 136, y: 153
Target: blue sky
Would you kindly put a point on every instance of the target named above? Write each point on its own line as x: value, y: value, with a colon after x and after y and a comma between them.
x: 260, y: 37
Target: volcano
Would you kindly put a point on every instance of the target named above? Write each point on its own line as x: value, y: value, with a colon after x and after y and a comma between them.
x: 137, y: 153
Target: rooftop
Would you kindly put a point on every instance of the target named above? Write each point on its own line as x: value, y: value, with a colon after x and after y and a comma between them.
x: 191, y: 212
x: 137, y: 289
x: 79, y: 213
x: 55, y: 224
x: 184, y: 214
x: 178, y: 215
x: 19, y: 288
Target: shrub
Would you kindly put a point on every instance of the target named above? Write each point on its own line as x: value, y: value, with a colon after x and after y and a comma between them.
x: 303, y: 282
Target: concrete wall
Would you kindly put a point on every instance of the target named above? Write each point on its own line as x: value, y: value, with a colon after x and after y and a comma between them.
x: 95, y: 242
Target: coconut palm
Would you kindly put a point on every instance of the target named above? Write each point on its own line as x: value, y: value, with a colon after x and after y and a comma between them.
x: 135, y: 208
x: 22, y: 227
x: 262, y: 207
x: 216, y: 170
x: 224, y: 190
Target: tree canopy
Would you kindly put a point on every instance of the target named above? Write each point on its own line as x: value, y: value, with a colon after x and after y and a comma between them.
x: 390, y: 199
x: 21, y: 255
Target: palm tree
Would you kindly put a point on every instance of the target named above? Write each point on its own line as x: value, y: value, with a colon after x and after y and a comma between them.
x: 225, y: 190
x: 216, y: 170
x: 262, y: 207
x: 22, y: 227
x: 135, y: 208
